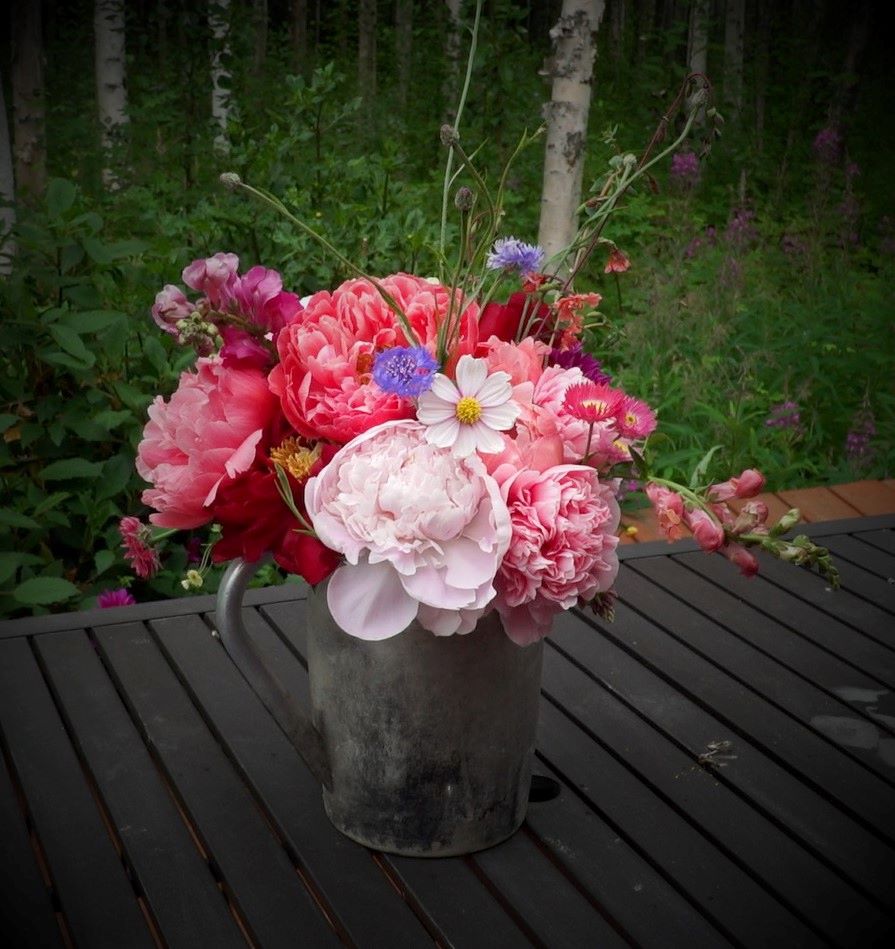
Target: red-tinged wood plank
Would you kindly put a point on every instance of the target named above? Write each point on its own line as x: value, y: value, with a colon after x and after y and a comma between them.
x: 818, y: 504
x: 869, y: 497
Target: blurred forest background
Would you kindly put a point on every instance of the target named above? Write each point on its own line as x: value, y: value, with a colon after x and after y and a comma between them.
x: 757, y: 314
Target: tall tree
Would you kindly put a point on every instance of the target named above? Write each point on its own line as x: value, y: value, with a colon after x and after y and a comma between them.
x: 29, y: 132
x: 646, y: 21
x: 734, y: 35
x: 111, y: 91
x: 451, y: 87
x: 403, y: 48
x: 298, y: 30
x: 698, y: 44
x: 366, y: 63
x: 219, y: 25
x: 7, y: 193
x: 259, y: 27
x: 571, y: 70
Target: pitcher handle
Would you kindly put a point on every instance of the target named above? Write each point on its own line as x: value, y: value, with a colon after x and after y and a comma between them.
x: 242, y: 650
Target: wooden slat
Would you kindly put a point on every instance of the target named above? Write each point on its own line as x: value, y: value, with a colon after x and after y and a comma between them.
x: 874, y: 661
x: 882, y: 539
x: 614, y: 874
x: 863, y: 572
x: 259, y: 877
x: 291, y: 795
x: 663, y: 746
x: 856, y: 550
x: 868, y: 497
x: 99, y: 904
x: 553, y: 910
x: 818, y: 504
x: 814, y: 667
x: 725, y: 893
x: 176, y: 882
x: 25, y: 909
x: 861, y: 613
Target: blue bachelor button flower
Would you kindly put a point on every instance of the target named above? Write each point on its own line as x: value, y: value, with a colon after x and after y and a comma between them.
x: 508, y: 253
x: 406, y: 371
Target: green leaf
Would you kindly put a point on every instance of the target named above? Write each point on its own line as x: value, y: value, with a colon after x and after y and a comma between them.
x: 132, y: 397
x: 43, y: 590
x: 67, y: 468
x: 11, y: 560
x: 97, y: 250
x: 15, y: 519
x: 61, y: 195
x: 92, y: 321
x: 7, y: 421
x: 103, y: 559
x: 703, y: 466
x: 53, y: 500
x: 155, y: 353
x: 72, y: 344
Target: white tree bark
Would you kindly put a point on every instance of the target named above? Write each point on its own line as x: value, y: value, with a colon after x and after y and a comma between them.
x: 698, y: 44
x: 219, y: 24
x: 734, y: 33
x: 451, y: 89
x: 111, y: 91
x: 29, y: 129
x: 7, y: 193
x: 571, y: 69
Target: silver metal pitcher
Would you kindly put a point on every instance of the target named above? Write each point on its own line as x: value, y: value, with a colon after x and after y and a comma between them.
x: 423, y: 743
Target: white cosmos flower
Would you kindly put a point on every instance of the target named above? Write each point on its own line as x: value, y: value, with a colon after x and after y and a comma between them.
x: 469, y: 415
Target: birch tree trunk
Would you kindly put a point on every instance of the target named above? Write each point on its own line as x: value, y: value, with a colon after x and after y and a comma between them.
x: 299, y: 36
x: 259, y: 25
x: 698, y: 44
x: 219, y: 24
x: 29, y: 131
x: 734, y: 34
x: 111, y: 91
x: 403, y: 48
x: 571, y: 69
x: 451, y: 89
x: 366, y: 61
x: 7, y: 193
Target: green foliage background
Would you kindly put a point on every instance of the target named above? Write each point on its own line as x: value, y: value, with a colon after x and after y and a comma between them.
x: 714, y: 324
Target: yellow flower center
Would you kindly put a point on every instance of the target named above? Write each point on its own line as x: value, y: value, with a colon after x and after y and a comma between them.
x: 468, y: 410
x: 296, y: 459
x: 598, y: 405
x: 630, y: 419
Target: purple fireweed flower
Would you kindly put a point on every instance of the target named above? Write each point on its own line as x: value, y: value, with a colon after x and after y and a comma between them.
x: 576, y: 356
x: 119, y: 597
x: 740, y: 230
x: 785, y: 415
x: 508, y: 253
x: 858, y: 448
x: 827, y: 145
x: 406, y: 371
x: 685, y: 169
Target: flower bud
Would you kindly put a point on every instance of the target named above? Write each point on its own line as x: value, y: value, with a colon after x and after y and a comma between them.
x: 464, y: 199
x: 787, y: 522
x: 230, y: 180
x: 449, y: 135
x: 751, y: 518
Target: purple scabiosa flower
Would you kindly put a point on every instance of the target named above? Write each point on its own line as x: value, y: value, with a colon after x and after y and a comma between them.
x: 576, y: 356
x: 406, y: 371
x: 119, y: 597
x: 508, y: 253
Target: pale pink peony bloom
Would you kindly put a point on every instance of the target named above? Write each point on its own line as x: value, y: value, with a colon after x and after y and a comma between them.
x: 707, y: 532
x: 212, y: 276
x: 207, y: 432
x: 324, y: 378
x: 423, y: 533
x: 747, y: 485
x: 170, y: 307
x: 468, y: 416
x: 563, y: 547
x: 669, y: 508
x: 522, y: 362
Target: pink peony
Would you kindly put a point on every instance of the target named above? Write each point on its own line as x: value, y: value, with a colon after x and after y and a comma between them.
x: 170, y: 307
x: 324, y: 377
x: 562, y: 549
x: 422, y: 530
x: 522, y: 362
x: 212, y: 276
x: 207, y: 432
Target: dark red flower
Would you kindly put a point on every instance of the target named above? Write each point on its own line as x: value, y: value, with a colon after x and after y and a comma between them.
x: 503, y: 319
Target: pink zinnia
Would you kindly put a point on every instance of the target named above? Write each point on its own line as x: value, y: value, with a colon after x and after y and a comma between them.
x: 562, y: 549
x: 635, y: 418
x: 110, y: 598
x: 208, y: 432
x: 136, y: 540
x: 592, y: 402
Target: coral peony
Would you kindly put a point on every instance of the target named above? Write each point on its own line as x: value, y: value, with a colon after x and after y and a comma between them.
x: 208, y: 432
x: 324, y: 379
x: 562, y: 549
x: 423, y: 533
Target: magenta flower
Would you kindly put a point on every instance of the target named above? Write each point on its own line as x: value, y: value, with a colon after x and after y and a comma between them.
x: 685, y: 169
x: 110, y: 598
x: 136, y: 540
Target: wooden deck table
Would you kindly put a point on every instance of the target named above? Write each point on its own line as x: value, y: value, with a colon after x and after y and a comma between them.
x: 725, y: 752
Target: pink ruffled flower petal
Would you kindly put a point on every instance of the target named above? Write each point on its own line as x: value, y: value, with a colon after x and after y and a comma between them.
x: 369, y: 602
